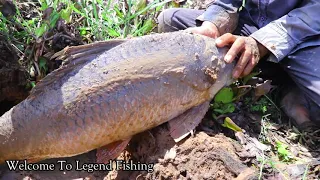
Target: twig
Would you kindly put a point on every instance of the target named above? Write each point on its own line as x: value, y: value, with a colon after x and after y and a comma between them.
x: 37, y: 68
x: 245, y: 86
x: 17, y: 48
x: 126, y: 4
x: 128, y: 14
x: 49, y: 38
x: 262, y: 164
x: 279, y: 121
x: 32, y: 50
x: 305, y: 173
x: 272, y: 103
x: 283, y: 175
x: 80, y: 19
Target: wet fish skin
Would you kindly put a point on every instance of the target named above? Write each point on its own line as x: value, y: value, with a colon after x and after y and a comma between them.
x: 133, y: 87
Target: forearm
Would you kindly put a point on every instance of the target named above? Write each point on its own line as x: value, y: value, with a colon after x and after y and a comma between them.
x: 281, y: 36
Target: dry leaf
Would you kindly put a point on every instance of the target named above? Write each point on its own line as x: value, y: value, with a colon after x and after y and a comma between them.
x: 262, y: 89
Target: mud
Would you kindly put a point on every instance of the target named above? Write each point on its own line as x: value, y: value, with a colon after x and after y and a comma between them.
x: 198, y: 157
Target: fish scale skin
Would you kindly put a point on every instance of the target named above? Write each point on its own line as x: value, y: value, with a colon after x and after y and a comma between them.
x: 131, y: 88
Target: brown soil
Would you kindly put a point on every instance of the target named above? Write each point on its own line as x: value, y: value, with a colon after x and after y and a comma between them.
x: 198, y: 157
x: 12, y: 76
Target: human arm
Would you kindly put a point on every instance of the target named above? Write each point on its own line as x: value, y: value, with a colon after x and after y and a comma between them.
x: 221, y: 16
x: 281, y: 36
x: 278, y: 38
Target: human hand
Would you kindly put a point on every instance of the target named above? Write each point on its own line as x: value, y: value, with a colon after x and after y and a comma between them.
x: 207, y: 29
x: 251, y: 51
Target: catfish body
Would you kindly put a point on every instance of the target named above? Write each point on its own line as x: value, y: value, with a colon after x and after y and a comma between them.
x: 128, y: 89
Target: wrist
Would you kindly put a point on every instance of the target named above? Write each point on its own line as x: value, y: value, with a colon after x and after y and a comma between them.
x: 263, y: 51
x: 211, y: 27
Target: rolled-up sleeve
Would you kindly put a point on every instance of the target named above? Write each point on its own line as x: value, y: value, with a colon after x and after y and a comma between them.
x: 281, y: 36
x: 223, y: 13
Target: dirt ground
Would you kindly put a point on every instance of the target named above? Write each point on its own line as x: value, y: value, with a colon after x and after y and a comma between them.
x: 12, y: 77
x: 198, y: 157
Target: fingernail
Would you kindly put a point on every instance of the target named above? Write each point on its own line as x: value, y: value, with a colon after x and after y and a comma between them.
x: 218, y: 41
x: 228, y: 58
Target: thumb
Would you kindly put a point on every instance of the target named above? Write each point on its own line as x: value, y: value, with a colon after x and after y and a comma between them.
x: 202, y: 31
x: 194, y: 30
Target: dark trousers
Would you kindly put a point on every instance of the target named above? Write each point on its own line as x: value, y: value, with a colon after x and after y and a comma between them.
x: 303, y: 65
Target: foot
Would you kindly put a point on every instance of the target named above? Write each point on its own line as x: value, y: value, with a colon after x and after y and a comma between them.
x: 296, y: 106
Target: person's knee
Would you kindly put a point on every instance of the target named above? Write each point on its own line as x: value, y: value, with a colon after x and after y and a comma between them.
x: 166, y: 20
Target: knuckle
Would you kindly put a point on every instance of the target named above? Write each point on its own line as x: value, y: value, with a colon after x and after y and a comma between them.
x: 248, y: 47
x: 238, y: 42
x: 241, y: 40
x: 227, y: 36
x: 239, y: 67
x: 247, y: 52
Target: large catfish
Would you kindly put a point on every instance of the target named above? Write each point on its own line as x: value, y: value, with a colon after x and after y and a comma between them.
x: 132, y: 86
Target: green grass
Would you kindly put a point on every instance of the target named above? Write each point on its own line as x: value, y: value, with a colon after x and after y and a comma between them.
x: 96, y: 19
x: 93, y: 20
x: 130, y: 17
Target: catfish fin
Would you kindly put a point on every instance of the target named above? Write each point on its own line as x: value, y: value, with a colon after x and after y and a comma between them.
x: 97, y: 48
x: 181, y: 126
x: 111, y: 151
x: 73, y: 57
